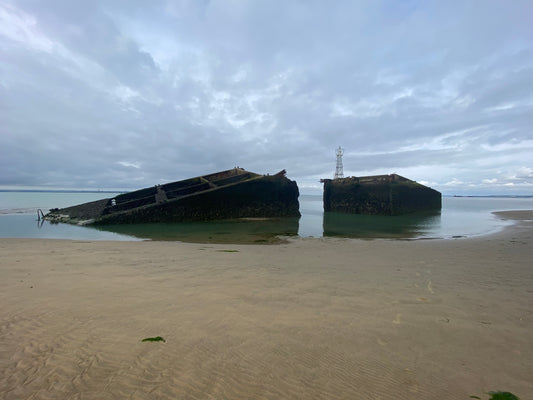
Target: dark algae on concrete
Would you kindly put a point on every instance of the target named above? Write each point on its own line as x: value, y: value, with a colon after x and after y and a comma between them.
x: 379, y: 195
x: 234, y: 193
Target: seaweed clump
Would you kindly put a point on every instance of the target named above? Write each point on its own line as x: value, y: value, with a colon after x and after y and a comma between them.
x: 499, y: 396
x: 154, y: 339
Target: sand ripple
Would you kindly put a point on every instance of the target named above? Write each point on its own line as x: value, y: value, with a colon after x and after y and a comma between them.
x: 310, y: 320
x: 87, y: 361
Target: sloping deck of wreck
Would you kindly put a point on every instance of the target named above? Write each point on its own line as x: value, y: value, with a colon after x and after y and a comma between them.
x: 234, y: 193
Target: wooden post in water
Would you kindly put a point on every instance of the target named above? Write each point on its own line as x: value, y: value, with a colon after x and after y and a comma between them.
x: 40, y: 214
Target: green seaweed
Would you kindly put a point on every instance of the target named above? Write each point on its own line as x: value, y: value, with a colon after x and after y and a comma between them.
x: 228, y: 251
x: 154, y: 339
x: 502, y: 396
x: 499, y: 396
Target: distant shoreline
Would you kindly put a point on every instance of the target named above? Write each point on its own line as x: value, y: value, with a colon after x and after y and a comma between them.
x: 60, y: 191
x: 505, y: 196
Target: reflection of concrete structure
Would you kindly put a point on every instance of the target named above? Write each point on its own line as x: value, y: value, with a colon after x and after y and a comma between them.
x: 379, y: 226
x: 243, y: 230
x: 379, y: 195
x: 234, y: 193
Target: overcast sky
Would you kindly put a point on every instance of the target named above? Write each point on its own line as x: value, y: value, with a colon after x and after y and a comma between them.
x: 126, y: 94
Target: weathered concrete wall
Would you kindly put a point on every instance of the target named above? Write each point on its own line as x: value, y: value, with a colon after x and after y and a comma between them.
x: 379, y: 197
x: 268, y: 196
x: 234, y: 193
x: 80, y: 212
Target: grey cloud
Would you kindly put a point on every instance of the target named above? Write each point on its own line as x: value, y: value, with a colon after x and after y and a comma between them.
x: 180, y: 89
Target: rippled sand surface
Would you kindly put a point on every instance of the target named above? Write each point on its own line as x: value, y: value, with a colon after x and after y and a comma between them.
x: 311, y: 319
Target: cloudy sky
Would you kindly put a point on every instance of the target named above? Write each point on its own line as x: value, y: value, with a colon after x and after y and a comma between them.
x: 122, y: 94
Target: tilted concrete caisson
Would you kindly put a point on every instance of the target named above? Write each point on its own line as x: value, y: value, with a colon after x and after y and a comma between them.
x: 234, y: 193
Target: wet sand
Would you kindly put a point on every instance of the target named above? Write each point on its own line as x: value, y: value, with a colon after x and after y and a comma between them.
x: 310, y: 319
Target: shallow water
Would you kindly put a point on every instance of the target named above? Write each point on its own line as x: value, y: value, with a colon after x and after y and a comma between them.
x: 459, y: 217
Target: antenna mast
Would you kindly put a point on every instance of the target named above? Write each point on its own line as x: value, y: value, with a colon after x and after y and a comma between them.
x: 338, y: 170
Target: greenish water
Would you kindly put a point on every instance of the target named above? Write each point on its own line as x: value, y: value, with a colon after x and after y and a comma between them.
x: 231, y: 231
x: 459, y: 217
x: 371, y: 226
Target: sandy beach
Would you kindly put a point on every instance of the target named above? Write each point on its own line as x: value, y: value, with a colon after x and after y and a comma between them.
x: 308, y: 319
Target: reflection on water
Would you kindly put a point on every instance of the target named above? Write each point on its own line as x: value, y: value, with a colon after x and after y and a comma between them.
x: 28, y: 226
x: 229, y: 231
x: 459, y: 217
x: 379, y: 226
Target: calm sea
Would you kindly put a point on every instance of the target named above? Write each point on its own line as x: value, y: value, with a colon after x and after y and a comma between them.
x: 459, y: 217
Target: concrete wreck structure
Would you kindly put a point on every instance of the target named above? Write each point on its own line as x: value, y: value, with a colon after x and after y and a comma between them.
x: 235, y: 193
x: 379, y: 195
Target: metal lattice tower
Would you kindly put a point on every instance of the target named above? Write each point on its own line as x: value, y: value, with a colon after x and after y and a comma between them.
x: 338, y: 170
